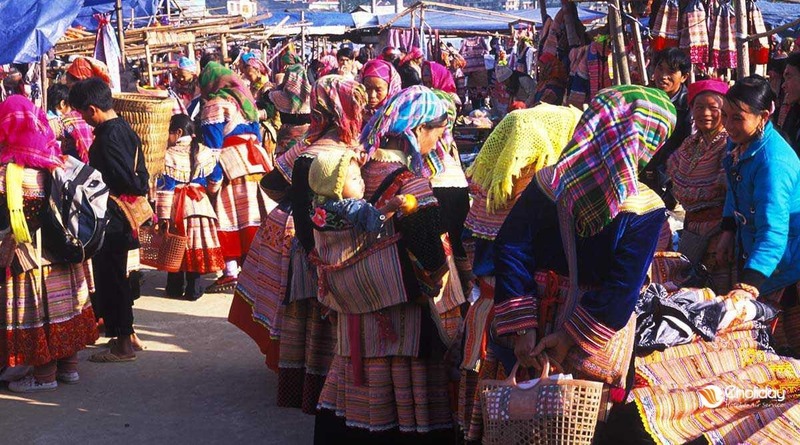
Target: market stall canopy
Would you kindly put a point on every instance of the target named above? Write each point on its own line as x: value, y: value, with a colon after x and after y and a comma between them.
x: 317, y: 23
x: 139, y: 10
x: 31, y: 27
x: 778, y: 14
x: 455, y: 20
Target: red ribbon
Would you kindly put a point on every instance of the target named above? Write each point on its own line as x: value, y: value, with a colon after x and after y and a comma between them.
x: 548, y: 302
x: 254, y: 155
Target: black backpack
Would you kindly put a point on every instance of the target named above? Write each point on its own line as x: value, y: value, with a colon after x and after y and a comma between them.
x: 74, y: 221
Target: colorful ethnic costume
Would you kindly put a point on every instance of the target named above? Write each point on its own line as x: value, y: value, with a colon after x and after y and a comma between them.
x: 48, y: 316
x: 388, y: 379
x: 521, y: 144
x: 230, y: 128
x: 182, y: 198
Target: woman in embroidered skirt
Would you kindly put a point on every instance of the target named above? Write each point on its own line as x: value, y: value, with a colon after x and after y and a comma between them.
x: 264, y: 276
x: 287, y: 301
x: 698, y: 178
x: 591, y: 206
x: 48, y: 316
x: 182, y: 205
x: 521, y: 144
x: 388, y: 380
x: 230, y: 128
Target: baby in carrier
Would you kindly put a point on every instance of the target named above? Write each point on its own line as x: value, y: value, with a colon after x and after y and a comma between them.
x: 335, y: 177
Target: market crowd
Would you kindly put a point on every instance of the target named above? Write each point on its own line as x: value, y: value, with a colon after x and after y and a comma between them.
x: 648, y: 238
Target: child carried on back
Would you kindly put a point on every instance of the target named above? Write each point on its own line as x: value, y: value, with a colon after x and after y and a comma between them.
x: 353, y: 236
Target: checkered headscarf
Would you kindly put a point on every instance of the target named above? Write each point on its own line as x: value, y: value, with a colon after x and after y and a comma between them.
x: 617, y: 135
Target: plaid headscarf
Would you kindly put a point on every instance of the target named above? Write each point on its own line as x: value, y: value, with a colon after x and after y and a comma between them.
x: 25, y: 136
x: 337, y: 101
x: 290, y: 58
x: 441, y: 78
x: 250, y: 59
x: 219, y: 81
x: 329, y: 65
x: 385, y: 71
x: 398, y: 117
x: 293, y: 95
x: 617, y: 135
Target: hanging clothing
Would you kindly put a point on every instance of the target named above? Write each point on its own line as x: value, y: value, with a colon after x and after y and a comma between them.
x: 694, y: 33
x: 472, y: 50
x: 723, y: 38
x: 665, y: 27
x: 77, y: 136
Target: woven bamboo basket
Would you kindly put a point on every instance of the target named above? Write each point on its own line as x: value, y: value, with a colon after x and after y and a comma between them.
x: 149, y: 117
x: 551, y: 412
x: 164, y: 251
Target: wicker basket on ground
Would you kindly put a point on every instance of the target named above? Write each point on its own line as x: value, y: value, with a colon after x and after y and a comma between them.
x: 149, y: 117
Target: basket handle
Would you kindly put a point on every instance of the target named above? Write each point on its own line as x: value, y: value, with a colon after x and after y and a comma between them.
x: 511, y: 380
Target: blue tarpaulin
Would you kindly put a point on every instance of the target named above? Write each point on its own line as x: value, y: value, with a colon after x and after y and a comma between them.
x: 778, y: 14
x: 140, y: 10
x: 31, y: 27
x: 315, y: 18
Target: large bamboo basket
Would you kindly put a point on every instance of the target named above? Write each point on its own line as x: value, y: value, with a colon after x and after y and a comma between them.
x: 149, y: 117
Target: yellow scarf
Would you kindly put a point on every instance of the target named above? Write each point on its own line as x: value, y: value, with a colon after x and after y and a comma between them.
x: 19, y: 226
x: 530, y: 137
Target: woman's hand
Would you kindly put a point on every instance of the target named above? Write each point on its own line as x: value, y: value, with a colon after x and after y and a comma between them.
x: 556, y: 345
x: 523, y: 348
x: 725, y: 253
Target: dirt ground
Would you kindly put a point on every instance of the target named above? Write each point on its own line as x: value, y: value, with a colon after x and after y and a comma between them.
x: 200, y: 381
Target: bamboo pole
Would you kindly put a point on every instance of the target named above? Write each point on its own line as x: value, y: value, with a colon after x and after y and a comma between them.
x: 223, y: 42
x: 773, y: 30
x: 742, y: 52
x: 637, y: 42
x: 149, y: 56
x: 120, y: 32
x: 302, y: 36
x: 543, y: 10
x: 618, y: 40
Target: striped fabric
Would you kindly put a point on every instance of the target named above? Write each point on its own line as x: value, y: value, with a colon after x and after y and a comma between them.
x: 243, y: 158
x: 620, y: 131
x: 221, y: 111
x: 723, y: 38
x: 665, y: 27
x: 759, y: 48
x: 239, y: 207
x: 80, y: 132
x: 673, y: 386
x: 407, y: 393
x: 359, y: 273
x: 476, y: 324
x: 694, y: 32
x: 264, y: 278
x: 38, y: 329
x: 290, y: 136
x: 203, y: 251
x: 394, y: 331
x: 306, y: 351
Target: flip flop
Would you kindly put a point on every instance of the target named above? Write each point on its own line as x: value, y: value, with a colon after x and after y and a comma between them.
x: 113, y: 342
x: 109, y: 357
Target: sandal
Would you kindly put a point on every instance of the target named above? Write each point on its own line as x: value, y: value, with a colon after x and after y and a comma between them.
x: 223, y: 284
x: 136, y: 347
x: 110, y: 357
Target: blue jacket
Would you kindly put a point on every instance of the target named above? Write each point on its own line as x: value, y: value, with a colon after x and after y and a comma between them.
x: 764, y: 199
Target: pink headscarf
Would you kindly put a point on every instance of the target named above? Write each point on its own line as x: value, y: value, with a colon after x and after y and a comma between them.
x: 329, y: 65
x: 385, y: 71
x: 25, y: 136
x: 441, y: 78
x: 413, y: 53
x: 707, y: 86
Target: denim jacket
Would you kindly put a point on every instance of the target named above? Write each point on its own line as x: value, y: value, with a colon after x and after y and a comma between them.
x: 764, y: 198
